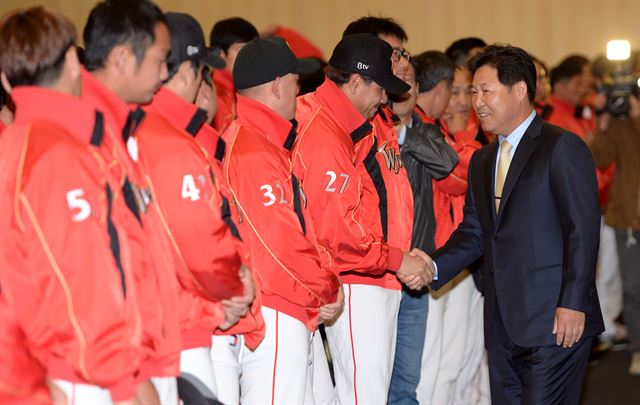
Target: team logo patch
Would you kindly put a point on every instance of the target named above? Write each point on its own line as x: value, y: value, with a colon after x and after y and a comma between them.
x: 391, y: 157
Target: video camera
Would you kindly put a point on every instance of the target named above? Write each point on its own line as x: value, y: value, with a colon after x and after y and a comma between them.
x: 621, y: 80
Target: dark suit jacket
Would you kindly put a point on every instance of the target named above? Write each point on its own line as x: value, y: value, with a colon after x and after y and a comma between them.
x: 540, y: 249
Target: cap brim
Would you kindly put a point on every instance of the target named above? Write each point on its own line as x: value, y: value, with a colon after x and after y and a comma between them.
x: 212, y: 59
x: 392, y: 84
x: 306, y: 66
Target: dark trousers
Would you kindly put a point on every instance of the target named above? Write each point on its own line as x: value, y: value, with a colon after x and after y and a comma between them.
x: 535, y: 375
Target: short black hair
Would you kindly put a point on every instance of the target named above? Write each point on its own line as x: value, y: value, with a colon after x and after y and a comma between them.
x: 432, y: 68
x: 513, y: 65
x: 570, y: 66
x: 459, y: 50
x: 342, y: 77
x: 230, y: 31
x: 117, y: 22
x: 376, y: 26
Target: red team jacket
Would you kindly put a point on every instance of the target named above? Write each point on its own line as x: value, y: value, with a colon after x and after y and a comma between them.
x: 22, y: 377
x: 449, y: 193
x: 186, y: 184
x: 226, y: 92
x: 343, y: 203
x: 155, y: 259
x: 395, y: 198
x: 66, y: 270
x: 293, y: 274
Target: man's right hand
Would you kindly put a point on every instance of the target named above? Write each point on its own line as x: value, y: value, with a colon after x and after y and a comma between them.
x: 145, y: 394
x: 416, y: 269
x: 237, y: 307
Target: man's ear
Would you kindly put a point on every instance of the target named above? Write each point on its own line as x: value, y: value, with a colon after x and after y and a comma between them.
x: 354, y: 83
x: 72, y: 61
x: 276, y: 87
x: 5, y: 83
x: 520, y: 90
x: 185, y: 74
x: 121, y: 57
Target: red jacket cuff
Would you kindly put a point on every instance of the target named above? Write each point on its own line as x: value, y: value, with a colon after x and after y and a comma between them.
x: 124, y: 389
x: 394, y: 259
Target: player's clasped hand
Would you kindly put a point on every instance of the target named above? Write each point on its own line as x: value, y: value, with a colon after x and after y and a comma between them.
x: 416, y: 270
x: 237, y: 307
x: 329, y: 312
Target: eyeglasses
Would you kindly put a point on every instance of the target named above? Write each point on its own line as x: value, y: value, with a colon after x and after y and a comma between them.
x: 400, y: 53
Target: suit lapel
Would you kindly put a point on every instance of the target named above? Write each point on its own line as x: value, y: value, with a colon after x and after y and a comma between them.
x: 523, y: 152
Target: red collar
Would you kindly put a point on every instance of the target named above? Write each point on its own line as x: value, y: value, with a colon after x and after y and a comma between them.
x: 257, y: 115
x: 104, y: 100
x: 562, y: 106
x: 71, y: 113
x: 178, y: 111
x: 334, y: 99
x: 223, y: 78
x: 425, y: 118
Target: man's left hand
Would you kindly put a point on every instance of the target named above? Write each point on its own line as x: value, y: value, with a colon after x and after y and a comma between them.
x: 568, y: 326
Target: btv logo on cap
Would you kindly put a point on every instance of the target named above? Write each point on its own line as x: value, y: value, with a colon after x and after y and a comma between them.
x: 362, y: 66
x: 192, y: 50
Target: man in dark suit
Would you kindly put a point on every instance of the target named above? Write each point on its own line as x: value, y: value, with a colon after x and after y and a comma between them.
x: 532, y: 210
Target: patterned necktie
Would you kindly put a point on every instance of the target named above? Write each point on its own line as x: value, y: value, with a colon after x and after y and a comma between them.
x: 503, y: 168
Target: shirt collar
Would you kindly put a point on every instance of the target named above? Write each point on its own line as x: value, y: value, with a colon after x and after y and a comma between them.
x: 104, y: 100
x: 257, y: 115
x: 330, y: 95
x: 516, y: 135
x: 178, y: 111
x: 69, y: 112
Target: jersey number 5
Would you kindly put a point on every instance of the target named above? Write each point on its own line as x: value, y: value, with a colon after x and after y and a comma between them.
x: 77, y: 203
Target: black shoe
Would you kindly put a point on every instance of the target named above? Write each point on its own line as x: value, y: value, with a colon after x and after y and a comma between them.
x: 618, y: 344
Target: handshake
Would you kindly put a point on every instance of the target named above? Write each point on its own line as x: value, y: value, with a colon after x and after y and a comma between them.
x: 417, y: 269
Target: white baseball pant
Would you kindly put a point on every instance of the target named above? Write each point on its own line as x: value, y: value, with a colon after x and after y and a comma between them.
x: 362, y: 342
x: 78, y: 394
x: 608, y: 280
x: 276, y: 371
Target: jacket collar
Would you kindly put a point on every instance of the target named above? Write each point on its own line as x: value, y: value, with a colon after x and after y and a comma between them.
x: 178, y: 111
x: 69, y: 112
x: 116, y: 112
x: 275, y: 128
x: 348, y: 117
x: 222, y: 77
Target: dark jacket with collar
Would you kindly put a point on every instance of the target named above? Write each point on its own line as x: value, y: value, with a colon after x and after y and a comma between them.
x: 540, y: 249
x: 426, y: 156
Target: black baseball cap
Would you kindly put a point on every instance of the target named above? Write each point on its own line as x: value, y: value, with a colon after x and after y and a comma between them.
x: 187, y: 42
x: 369, y: 56
x: 261, y: 60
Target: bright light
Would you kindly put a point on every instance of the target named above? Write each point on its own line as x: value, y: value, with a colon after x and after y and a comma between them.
x: 618, y: 49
